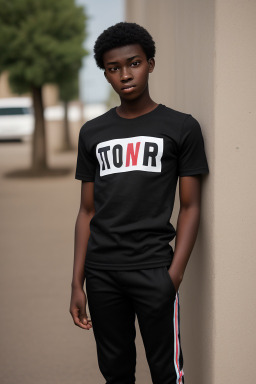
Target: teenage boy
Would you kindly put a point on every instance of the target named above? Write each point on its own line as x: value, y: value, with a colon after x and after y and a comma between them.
x: 129, y: 160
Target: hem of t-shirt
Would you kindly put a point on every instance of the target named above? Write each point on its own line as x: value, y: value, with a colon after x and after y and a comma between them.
x: 84, y: 177
x: 126, y: 267
x: 197, y: 171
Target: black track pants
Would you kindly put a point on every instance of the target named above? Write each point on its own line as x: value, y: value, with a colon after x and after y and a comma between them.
x: 114, y: 298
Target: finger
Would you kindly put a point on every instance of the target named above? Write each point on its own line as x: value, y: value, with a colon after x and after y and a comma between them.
x: 76, y: 319
x: 78, y: 322
x: 89, y: 321
x: 85, y: 319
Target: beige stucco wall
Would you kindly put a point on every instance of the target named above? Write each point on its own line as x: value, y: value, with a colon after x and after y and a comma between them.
x: 205, y: 65
x: 235, y: 220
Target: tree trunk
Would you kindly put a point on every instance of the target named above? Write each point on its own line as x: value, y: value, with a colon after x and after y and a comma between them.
x: 39, y: 155
x: 66, y: 136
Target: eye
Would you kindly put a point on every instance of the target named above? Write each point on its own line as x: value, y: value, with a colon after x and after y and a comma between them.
x: 113, y: 69
x: 135, y: 63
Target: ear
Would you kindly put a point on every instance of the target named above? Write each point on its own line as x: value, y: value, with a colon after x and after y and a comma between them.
x: 151, y: 63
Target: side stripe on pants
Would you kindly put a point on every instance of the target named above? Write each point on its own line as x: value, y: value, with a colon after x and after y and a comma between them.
x: 179, y: 372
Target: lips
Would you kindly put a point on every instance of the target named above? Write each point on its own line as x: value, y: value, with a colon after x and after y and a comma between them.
x: 128, y: 88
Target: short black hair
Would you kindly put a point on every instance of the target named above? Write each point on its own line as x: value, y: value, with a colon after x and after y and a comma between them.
x: 121, y: 34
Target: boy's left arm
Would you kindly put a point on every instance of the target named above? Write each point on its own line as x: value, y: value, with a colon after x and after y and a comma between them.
x: 187, y: 225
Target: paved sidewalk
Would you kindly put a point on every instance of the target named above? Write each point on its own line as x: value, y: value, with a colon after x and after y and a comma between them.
x: 39, y: 342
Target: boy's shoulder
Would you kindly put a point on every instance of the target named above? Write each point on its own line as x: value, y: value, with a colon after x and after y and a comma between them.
x: 179, y: 116
x: 169, y: 115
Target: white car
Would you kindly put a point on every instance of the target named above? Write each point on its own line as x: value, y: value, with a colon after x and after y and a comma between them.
x: 16, y: 118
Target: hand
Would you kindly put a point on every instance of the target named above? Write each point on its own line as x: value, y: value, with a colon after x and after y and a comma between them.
x: 175, y: 279
x: 78, y: 308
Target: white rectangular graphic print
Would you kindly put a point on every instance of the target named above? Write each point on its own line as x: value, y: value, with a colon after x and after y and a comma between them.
x: 139, y: 153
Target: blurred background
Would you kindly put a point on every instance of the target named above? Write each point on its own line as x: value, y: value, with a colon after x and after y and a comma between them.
x: 50, y: 86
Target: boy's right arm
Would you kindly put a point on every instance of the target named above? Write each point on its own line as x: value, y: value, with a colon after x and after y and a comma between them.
x: 82, y: 234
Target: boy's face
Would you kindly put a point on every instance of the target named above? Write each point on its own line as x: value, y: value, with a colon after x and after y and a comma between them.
x: 127, y: 70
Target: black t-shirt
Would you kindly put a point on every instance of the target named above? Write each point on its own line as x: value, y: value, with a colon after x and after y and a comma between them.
x: 135, y: 164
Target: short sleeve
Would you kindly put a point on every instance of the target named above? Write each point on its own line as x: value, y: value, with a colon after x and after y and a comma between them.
x: 86, y: 164
x: 191, y: 158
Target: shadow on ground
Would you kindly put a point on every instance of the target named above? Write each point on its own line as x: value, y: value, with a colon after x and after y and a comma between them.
x: 46, y: 173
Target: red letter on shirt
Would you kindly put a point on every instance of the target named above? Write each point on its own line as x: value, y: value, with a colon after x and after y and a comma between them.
x: 130, y: 153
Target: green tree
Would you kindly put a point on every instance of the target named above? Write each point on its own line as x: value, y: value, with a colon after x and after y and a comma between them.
x: 41, y: 41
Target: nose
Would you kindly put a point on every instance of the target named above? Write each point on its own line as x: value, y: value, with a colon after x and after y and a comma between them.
x: 125, y: 74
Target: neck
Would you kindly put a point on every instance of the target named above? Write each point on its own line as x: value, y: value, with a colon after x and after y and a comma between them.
x: 134, y: 108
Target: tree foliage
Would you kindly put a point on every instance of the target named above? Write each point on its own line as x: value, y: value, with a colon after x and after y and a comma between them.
x: 69, y: 89
x: 41, y: 41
